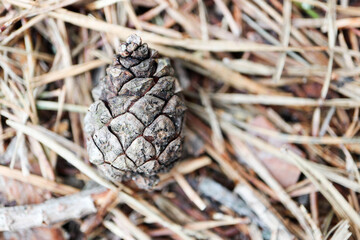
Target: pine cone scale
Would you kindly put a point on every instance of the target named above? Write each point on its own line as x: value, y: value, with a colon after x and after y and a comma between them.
x: 127, y: 127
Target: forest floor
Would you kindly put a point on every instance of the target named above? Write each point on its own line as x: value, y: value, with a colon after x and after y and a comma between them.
x: 272, y: 129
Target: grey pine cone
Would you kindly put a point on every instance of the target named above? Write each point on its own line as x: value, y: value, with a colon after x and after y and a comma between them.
x: 134, y: 130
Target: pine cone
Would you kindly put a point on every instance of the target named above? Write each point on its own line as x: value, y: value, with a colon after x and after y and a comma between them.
x: 134, y: 130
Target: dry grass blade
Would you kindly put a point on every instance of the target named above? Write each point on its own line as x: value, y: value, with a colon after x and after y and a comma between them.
x: 28, y: 25
x: 282, y: 100
x: 259, y: 208
x: 341, y: 206
x: 191, y: 165
x: 39, y: 55
x: 266, y: 176
x: 217, y: 70
x: 66, y: 72
x: 342, y: 231
x: 211, y: 45
x: 99, y: 4
x: 189, y: 191
x: 54, y: 106
x: 148, y: 211
x: 285, y: 37
x: 38, y: 181
x: 122, y: 219
x: 213, y: 224
x: 326, y: 140
x: 232, y: 24
x: 62, y: 151
x: 218, y: 139
x: 329, y: 191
